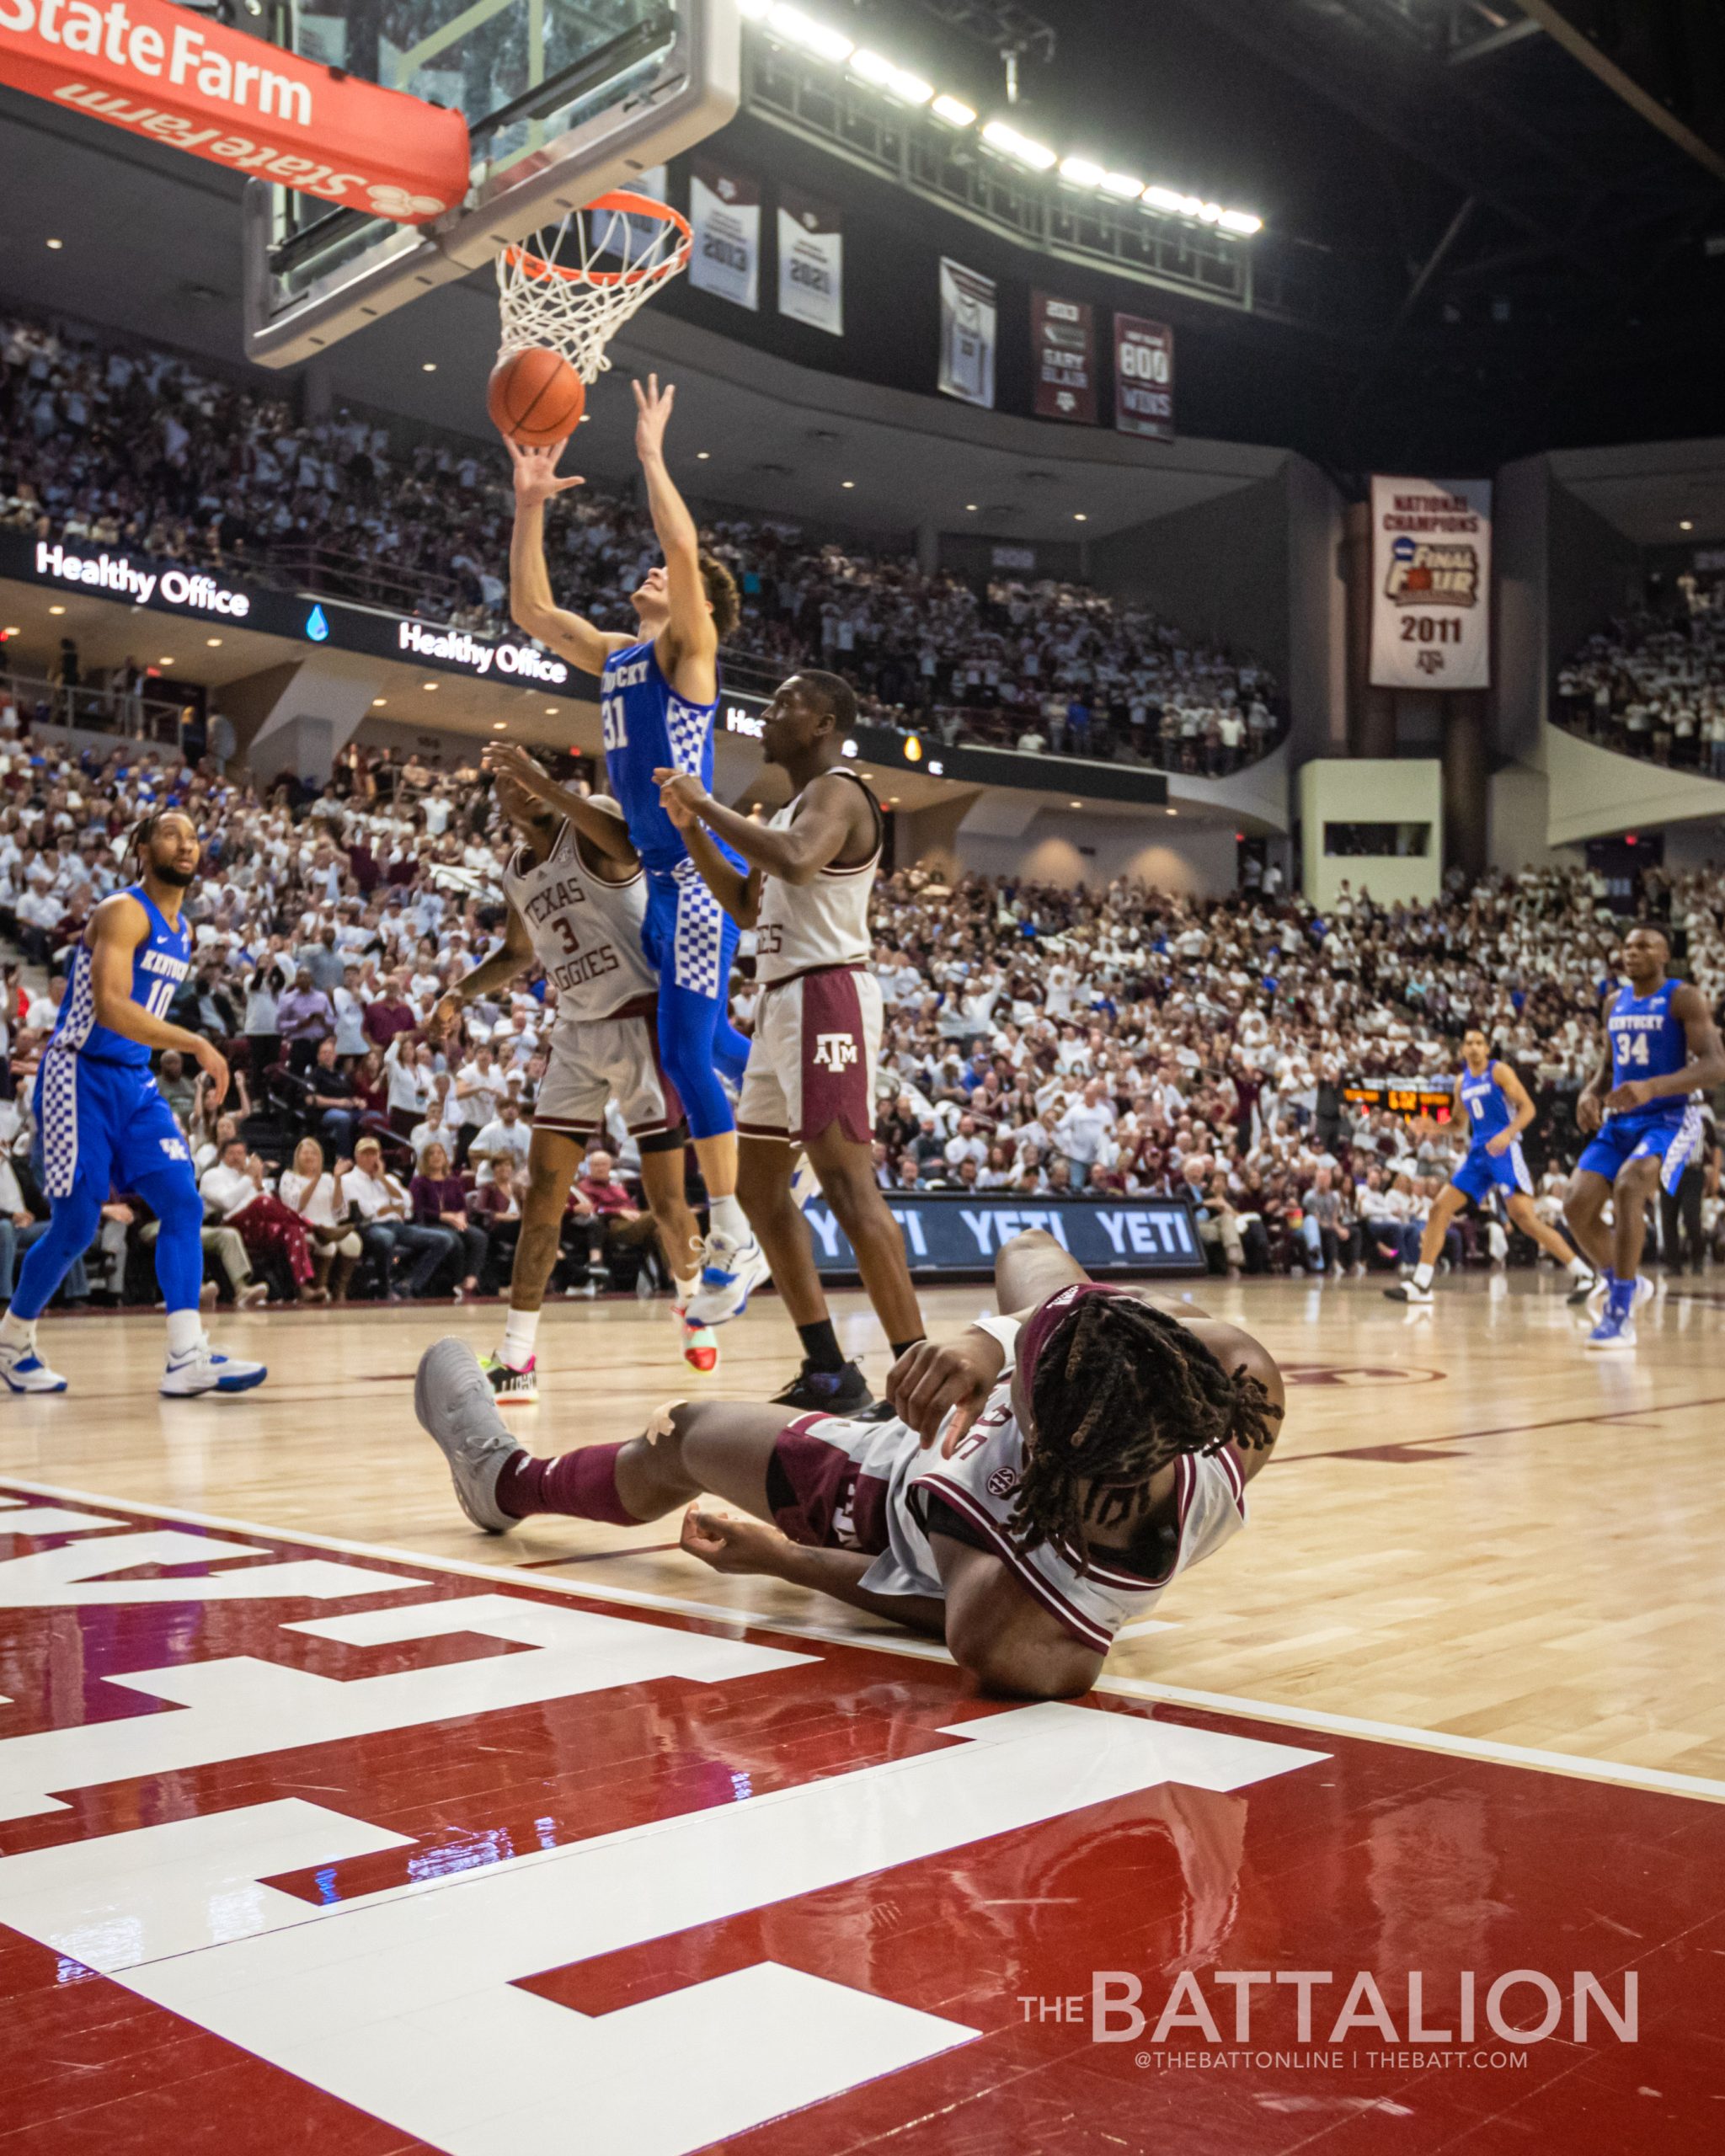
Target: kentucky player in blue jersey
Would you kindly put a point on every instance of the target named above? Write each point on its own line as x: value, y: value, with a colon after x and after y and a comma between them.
x: 1492, y: 1106
x: 1661, y: 1047
x: 658, y: 697
x: 101, y: 1125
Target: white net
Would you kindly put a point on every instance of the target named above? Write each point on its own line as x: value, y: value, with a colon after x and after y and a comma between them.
x: 573, y: 288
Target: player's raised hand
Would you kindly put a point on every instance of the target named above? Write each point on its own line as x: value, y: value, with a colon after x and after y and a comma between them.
x: 509, y: 760
x: 652, y: 413
x: 446, y: 1018
x: 211, y: 1061
x: 680, y: 795
x: 930, y: 1383
x: 727, y: 1544
x: 536, y: 478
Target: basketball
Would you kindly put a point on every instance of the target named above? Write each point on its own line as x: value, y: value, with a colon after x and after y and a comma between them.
x: 535, y: 397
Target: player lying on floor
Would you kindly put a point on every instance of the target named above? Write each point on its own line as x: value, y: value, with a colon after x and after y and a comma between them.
x: 1049, y: 1472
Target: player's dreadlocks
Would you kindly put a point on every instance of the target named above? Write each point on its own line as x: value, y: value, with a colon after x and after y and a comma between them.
x: 1118, y: 1390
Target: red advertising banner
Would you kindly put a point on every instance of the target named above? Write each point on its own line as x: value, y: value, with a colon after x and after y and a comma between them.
x: 1063, y: 339
x: 1144, y: 377
x: 184, y: 80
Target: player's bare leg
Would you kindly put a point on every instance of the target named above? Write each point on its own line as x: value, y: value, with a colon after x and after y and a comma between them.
x: 1520, y: 1208
x: 553, y: 1159
x: 1419, y: 1290
x: 662, y: 1177
x: 1616, y: 1254
x: 845, y: 1174
x: 1581, y: 1209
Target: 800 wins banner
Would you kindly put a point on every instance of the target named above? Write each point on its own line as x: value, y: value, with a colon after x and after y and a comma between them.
x: 1431, y: 567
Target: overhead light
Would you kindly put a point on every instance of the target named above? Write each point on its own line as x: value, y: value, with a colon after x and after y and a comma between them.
x: 1082, y: 171
x: 378, y: 702
x: 1686, y: 523
x: 428, y: 686
x: 893, y: 800
x: 971, y: 507
x: 1172, y: 812
x: 850, y: 748
x: 847, y: 482
x: 887, y: 75
x: 55, y: 246
x: 701, y: 455
x: 1074, y: 804
x: 213, y: 643
x: 428, y: 366
x: 1172, y: 204
x: 551, y: 711
x: 1241, y: 222
x: 954, y: 111
x: 499, y: 725
x: 1011, y: 144
x: 13, y: 631
x: 795, y: 28
x: 1126, y: 184
x: 166, y: 660
x: 1079, y: 516
x: 1163, y: 198
x: 57, y: 609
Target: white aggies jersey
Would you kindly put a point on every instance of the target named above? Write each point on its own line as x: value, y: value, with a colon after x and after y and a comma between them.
x: 586, y: 933
x: 807, y: 927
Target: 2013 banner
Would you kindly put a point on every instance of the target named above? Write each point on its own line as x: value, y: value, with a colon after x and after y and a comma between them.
x: 724, y: 216
x: 1063, y: 347
x: 811, y: 262
x: 1431, y: 581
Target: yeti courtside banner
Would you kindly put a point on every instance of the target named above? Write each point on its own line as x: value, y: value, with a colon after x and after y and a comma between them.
x: 1431, y: 569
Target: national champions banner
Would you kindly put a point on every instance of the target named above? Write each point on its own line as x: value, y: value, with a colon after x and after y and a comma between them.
x: 968, y: 318
x: 1144, y: 377
x: 1063, y: 346
x: 724, y: 216
x: 1431, y: 581
x: 811, y: 262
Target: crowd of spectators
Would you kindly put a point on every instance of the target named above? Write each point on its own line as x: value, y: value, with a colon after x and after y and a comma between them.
x: 101, y: 446
x: 1653, y: 683
x: 1040, y: 1040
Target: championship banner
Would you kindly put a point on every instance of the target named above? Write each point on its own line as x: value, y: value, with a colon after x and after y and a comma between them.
x: 1431, y: 579
x: 1144, y: 377
x: 968, y: 317
x: 186, y: 82
x: 1063, y: 339
x: 724, y: 215
x: 811, y: 262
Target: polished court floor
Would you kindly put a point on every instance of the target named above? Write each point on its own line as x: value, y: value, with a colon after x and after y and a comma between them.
x: 326, y: 1822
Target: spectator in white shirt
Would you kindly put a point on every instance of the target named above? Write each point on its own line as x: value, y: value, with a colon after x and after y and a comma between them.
x: 505, y: 1134
x: 315, y: 1193
x: 237, y: 1191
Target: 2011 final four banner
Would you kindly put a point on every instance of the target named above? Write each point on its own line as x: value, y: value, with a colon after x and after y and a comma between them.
x: 1431, y: 570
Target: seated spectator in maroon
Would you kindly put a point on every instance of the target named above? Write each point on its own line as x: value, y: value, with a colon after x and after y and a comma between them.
x: 439, y: 1200
x: 392, y: 1014
x: 598, y: 1184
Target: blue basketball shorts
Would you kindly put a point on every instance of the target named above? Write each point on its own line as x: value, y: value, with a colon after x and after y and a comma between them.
x: 103, y: 1124
x: 1672, y: 1140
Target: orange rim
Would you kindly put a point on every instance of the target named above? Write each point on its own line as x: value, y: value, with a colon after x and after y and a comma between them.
x: 629, y: 204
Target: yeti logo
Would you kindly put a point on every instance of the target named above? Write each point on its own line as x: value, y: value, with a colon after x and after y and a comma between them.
x: 835, y: 1051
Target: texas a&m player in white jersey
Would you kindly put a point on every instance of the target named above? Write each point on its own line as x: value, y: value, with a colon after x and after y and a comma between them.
x: 577, y: 897
x: 1046, y: 1478
x: 809, y: 1086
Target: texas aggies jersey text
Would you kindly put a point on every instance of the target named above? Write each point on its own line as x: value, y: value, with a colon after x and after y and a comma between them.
x: 803, y: 927
x: 586, y: 933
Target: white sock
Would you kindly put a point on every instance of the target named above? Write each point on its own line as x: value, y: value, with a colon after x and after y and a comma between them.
x: 685, y: 1288
x: 1422, y: 1276
x: 185, y: 1330
x: 17, y: 1332
x: 727, y: 1217
x: 1580, y: 1268
x: 520, y: 1330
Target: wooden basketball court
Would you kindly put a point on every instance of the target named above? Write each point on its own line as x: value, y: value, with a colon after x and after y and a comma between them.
x: 1471, y: 1527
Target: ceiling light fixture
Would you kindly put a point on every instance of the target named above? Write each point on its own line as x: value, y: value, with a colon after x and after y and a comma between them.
x: 954, y: 111
x: 1074, y: 804
x: 1686, y: 523
x: 701, y: 455
x: 428, y: 366
x: 213, y: 643
x: 378, y: 702
x: 999, y: 136
x: 795, y: 28
x: 1079, y: 516
x: 57, y: 609
x: 428, y: 686
x: 847, y: 482
x: 1126, y: 185
x: 166, y: 660
x: 1082, y: 171
x: 55, y: 246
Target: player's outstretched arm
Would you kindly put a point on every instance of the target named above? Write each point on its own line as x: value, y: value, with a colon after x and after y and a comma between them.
x: 117, y: 927
x: 1590, y: 1101
x: 691, y: 639
x: 507, y: 963
x: 601, y: 824
x: 828, y: 823
x: 750, y: 1546
x: 531, y: 605
x: 738, y: 892
x: 1007, y: 1641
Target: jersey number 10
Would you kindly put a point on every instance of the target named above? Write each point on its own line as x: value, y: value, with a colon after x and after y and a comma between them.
x: 160, y: 996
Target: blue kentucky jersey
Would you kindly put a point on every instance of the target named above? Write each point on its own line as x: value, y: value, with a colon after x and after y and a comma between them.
x: 1484, y: 1105
x: 649, y: 727
x: 1647, y: 1042
x: 159, y: 965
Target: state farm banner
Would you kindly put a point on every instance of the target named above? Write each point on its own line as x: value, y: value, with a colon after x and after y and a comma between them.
x: 1431, y: 580
x: 1144, y: 377
x: 184, y: 80
x: 1063, y: 352
x: 724, y: 215
x: 968, y: 317
x: 811, y: 262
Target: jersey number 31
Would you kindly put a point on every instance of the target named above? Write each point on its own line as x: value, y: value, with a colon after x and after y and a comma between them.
x: 610, y: 718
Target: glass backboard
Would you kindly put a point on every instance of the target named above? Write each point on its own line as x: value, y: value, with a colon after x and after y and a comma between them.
x: 564, y: 99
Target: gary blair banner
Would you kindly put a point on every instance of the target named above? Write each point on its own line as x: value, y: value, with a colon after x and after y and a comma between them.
x: 1063, y: 354
x: 1431, y: 581
x: 1144, y: 377
x: 965, y: 1232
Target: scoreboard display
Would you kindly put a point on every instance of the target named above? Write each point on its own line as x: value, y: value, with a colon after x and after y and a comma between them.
x: 1410, y: 1098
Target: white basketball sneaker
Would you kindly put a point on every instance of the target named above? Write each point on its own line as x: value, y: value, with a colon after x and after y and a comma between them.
x: 730, y: 1271
x: 200, y: 1369
x: 453, y: 1400
x: 24, y: 1371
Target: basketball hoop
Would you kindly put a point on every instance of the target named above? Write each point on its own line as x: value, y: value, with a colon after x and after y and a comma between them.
x: 554, y: 296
